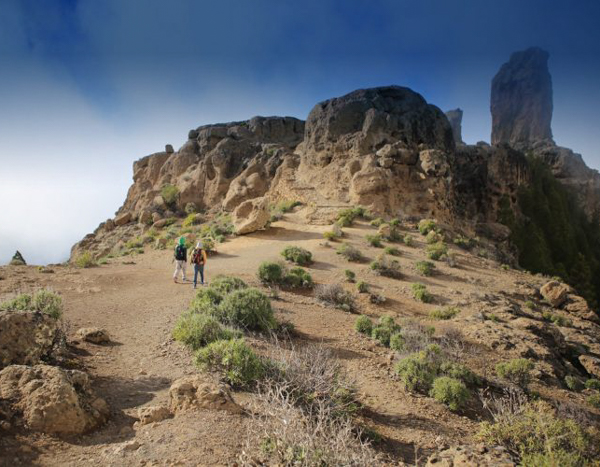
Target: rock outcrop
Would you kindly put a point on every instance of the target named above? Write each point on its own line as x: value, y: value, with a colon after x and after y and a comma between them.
x: 25, y: 337
x: 18, y: 260
x: 521, y: 101
x: 52, y: 400
x: 93, y: 335
x: 455, y: 119
x: 195, y: 392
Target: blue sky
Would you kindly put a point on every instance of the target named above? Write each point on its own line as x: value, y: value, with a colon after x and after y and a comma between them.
x: 88, y: 86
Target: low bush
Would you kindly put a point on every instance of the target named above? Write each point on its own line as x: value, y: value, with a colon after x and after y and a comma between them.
x: 397, y: 342
x: 335, y: 295
x: 345, y: 221
x: 298, y: 277
x: 574, y: 383
x: 517, y: 371
x: 425, y: 268
x: 538, y: 435
x: 593, y: 383
x: 426, y: 225
x: 464, y: 242
x: 285, y: 206
x: 362, y: 287
x: 448, y: 312
x: 195, y: 330
x: 376, y: 298
x: 270, y: 273
x: 420, y: 293
x: 384, y: 266
x: 433, y: 237
x: 85, y: 260
x: 594, y: 400
x: 390, y: 250
x: 191, y: 208
x: 450, y: 391
x: 43, y: 301
x: 459, y: 371
x: 234, y: 359
x: 247, y: 309
x: 350, y: 275
x: 349, y: 252
x: 169, y: 194
x: 363, y: 325
x: 394, y: 222
x: 297, y: 255
x: 137, y: 242
x: 384, y: 330
x: 529, y: 304
x: 377, y: 222
x: 334, y: 234
x: 557, y: 319
x: 227, y: 284
x: 192, y: 219
x: 408, y: 240
x: 374, y: 240
x: 416, y: 372
x: 435, y: 251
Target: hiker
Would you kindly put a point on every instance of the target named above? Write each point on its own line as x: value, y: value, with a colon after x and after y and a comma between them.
x: 199, y: 261
x: 180, y: 260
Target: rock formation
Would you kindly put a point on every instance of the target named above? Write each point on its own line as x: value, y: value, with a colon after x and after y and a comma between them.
x: 18, y: 260
x: 521, y: 101
x: 455, y: 118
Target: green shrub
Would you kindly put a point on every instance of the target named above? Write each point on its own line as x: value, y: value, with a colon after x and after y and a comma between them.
x: 426, y: 226
x: 169, y: 194
x: 349, y: 252
x: 390, y: 250
x: 227, y: 284
x: 420, y: 293
x: 205, y: 300
x: 425, y: 268
x: 459, y: 371
x: 397, y: 342
x: 374, y: 240
x: 384, y: 330
x: 196, y: 330
x: 271, y: 273
x: 344, y: 221
x: 190, y: 208
x: 408, y: 240
x: 384, y: 266
x: 334, y: 234
x: 208, y: 244
x: 85, y: 260
x: 573, y: 383
x: 394, y: 222
x: 594, y: 400
x: 192, y: 219
x: 529, y: 304
x: 450, y: 391
x: 285, y: 206
x: 298, y: 277
x: 464, y: 242
x: 335, y: 295
x: 297, y: 255
x: 237, y: 363
x: 363, y: 325
x: 436, y: 250
x: 517, y: 371
x: 593, y: 383
x: 137, y: 242
x: 350, y: 275
x: 557, y: 319
x: 42, y: 301
x: 448, y: 312
x: 540, y: 437
x: 247, y: 309
x: 433, y: 237
x: 362, y: 287
x: 416, y: 372
x: 377, y: 222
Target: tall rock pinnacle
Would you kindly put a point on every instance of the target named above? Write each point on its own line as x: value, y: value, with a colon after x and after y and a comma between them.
x: 521, y: 101
x: 455, y: 118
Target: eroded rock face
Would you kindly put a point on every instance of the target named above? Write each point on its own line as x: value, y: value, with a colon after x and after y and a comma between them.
x: 194, y: 392
x: 521, y: 102
x: 455, y: 118
x: 25, y: 337
x: 52, y: 400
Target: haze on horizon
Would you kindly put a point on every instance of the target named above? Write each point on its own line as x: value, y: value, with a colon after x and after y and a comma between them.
x: 88, y: 87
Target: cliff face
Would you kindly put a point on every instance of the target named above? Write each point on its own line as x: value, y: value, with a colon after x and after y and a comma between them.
x: 521, y: 100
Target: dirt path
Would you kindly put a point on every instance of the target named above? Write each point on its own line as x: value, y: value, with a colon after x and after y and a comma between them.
x: 138, y: 304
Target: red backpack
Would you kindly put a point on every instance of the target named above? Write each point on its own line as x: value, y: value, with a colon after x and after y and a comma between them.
x: 197, y: 257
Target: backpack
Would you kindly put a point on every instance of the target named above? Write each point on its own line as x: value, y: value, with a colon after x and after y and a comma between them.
x: 180, y: 253
x: 197, y: 257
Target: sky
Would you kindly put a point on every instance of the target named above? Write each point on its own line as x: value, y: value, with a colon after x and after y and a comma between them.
x: 89, y: 86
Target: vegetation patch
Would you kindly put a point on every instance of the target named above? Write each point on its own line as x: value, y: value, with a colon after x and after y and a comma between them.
x: 557, y: 319
x: 374, y: 240
x: 517, y: 371
x: 350, y: 275
x: 363, y: 325
x: 169, y: 194
x: 425, y: 268
x: 390, y: 250
x: 420, y: 293
x: 384, y: 266
x: 409, y: 240
x: 297, y: 255
x: 450, y: 391
x: 465, y: 243
x: 349, y: 252
x: 448, y: 312
x: 426, y: 225
x: 247, y: 309
x: 362, y: 287
x: 43, y: 301
x: 436, y: 250
x: 85, y: 260
x: 196, y: 330
x: 335, y: 295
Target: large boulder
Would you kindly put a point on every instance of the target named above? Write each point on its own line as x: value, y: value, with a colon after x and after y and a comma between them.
x: 195, y: 392
x: 555, y: 293
x: 251, y: 215
x: 521, y: 101
x: 363, y: 121
x: 123, y: 219
x: 52, y: 400
x: 25, y: 337
x: 93, y: 335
